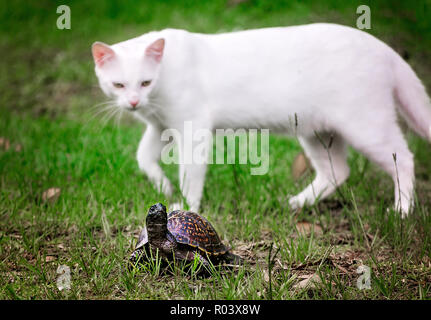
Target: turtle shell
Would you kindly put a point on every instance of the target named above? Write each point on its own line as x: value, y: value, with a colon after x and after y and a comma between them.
x: 191, y: 229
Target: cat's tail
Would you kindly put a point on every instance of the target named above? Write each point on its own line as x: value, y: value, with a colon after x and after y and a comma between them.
x: 415, y: 104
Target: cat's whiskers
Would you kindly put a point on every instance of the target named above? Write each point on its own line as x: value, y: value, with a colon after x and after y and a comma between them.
x: 109, y: 115
x: 104, y: 109
x: 100, y: 107
x: 96, y: 113
x: 118, y: 117
x: 155, y: 109
x: 156, y: 106
x: 101, y: 104
x: 96, y: 110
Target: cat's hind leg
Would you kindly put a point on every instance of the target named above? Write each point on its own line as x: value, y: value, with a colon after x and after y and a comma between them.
x: 328, y: 156
x: 385, y: 145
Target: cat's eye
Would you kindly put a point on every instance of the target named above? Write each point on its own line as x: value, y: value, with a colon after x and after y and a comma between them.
x: 118, y: 85
x: 145, y: 83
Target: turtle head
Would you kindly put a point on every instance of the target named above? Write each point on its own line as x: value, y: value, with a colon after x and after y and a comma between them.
x: 157, y: 219
x: 157, y: 213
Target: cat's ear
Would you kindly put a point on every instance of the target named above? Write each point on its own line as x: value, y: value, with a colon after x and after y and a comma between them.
x: 101, y: 53
x: 155, y: 50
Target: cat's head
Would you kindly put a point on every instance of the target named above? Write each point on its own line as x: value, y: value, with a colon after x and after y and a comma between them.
x: 128, y: 74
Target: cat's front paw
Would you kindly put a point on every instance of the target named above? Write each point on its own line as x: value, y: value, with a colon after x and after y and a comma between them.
x: 403, y: 212
x: 180, y: 206
x: 296, y: 203
x: 167, y: 188
x: 164, y: 186
x: 175, y: 206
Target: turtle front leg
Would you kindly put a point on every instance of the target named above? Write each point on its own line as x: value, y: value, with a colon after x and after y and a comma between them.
x: 202, y: 259
x: 191, y: 256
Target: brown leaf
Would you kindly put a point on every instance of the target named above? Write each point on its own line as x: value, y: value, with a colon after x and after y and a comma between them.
x: 50, y: 258
x: 18, y: 148
x: 266, y: 234
x: 342, y: 269
x: 306, y: 228
x: 265, y: 275
x: 233, y: 3
x: 300, y: 166
x: 51, y: 195
x: 4, y: 143
x: 310, y: 281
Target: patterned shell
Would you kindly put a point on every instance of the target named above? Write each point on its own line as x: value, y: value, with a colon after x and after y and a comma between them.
x: 194, y: 230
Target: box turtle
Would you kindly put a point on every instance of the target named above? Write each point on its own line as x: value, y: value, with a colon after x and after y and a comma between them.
x: 181, y: 235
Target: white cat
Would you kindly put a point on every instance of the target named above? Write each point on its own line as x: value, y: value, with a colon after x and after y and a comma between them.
x: 342, y: 85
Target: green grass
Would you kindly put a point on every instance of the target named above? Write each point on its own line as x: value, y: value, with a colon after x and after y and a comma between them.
x: 48, y: 90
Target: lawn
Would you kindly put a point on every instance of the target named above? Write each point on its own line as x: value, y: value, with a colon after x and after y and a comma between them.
x: 53, y: 134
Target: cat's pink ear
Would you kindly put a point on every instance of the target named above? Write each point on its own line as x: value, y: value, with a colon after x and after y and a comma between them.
x: 155, y: 50
x: 101, y: 53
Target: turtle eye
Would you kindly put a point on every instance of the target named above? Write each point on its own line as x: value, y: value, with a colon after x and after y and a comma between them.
x: 118, y: 85
x: 145, y: 83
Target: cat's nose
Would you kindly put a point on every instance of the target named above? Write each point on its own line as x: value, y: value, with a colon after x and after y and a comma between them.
x: 134, y: 103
